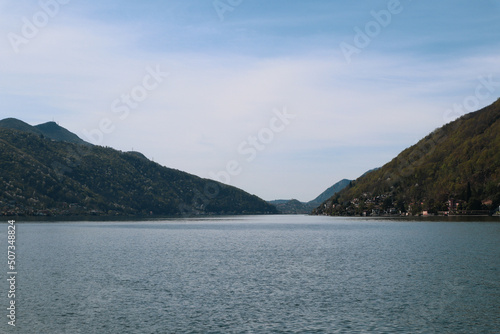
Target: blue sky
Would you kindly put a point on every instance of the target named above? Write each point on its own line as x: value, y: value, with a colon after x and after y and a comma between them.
x: 234, y: 66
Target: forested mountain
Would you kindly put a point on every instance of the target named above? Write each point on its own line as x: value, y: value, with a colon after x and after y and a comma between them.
x: 455, y: 169
x: 330, y: 192
x: 50, y: 130
x: 294, y: 206
x: 44, y: 176
x: 53, y: 131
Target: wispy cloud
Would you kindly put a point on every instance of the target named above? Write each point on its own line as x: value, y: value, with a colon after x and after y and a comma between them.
x: 225, y: 79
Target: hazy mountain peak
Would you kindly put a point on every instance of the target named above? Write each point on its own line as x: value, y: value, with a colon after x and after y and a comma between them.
x: 16, y: 124
x: 51, y: 130
x: 330, y: 191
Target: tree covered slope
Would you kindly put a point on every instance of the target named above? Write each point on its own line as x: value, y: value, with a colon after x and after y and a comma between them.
x: 41, y: 176
x: 454, y: 169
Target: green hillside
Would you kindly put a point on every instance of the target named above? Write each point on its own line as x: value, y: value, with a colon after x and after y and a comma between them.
x: 330, y: 192
x: 454, y: 170
x: 53, y: 131
x: 14, y: 123
x: 50, y: 130
x: 294, y: 206
x: 40, y: 176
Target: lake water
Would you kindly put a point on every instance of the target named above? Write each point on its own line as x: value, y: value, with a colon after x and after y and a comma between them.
x: 263, y: 274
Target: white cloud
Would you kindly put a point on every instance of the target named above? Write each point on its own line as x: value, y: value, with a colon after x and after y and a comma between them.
x: 212, y: 101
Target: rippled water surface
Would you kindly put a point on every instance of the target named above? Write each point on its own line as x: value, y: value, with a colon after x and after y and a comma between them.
x: 264, y: 274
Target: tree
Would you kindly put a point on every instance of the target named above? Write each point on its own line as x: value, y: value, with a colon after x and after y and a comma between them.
x: 474, y: 204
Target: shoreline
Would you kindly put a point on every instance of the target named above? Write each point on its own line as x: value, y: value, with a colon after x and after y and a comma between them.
x: 132, y: 218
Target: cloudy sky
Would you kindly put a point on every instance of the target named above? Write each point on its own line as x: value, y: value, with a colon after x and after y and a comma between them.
x: 281, y: 98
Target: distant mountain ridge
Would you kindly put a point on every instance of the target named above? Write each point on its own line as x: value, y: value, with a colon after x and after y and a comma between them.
x: 47, y: 170
x: 294, y: 206
x: 14, y: 123
x: 453, y: 170
x: 50, y: 130
x: 56, y: 132
x: 331, y: 191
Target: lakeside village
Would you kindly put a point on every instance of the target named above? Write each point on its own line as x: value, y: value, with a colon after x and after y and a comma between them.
x: 14, y: 209
x: 383, y: 205
x: 376, y: 206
